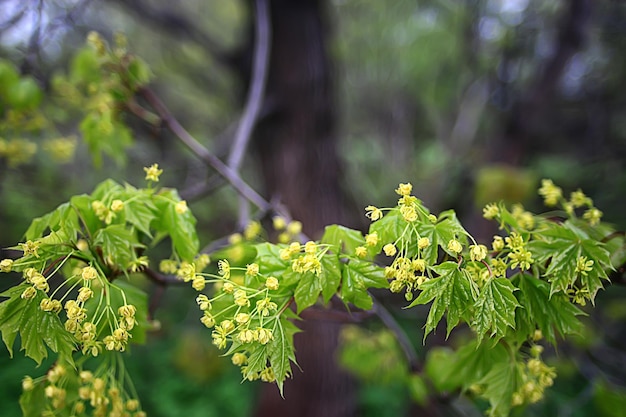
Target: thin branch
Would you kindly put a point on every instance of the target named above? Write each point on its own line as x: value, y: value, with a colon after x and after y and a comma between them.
x: 203, y: 153
x: 253, y: 102
x: 257, y: 88
x: 401, y: 336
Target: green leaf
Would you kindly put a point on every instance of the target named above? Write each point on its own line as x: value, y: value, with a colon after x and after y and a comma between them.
x: 140, y: 212
x: 105, y: 135
x: 562, y: 245
x: 447, y: 228
x: 342, y: 239
x: 495, y: 309
x: 116, y: 242
x: 180, y: 227
x: 451, y: 291
x: 389, y: 228
x: 500, y: 383
x: 38, y: 329
x: 308, y: 290
x: 37, y: 227
x: 331, y: 276
x: 357, y: 277
x: 268, y: 258
x: 470, y: 363
x: 33, y: 402
x: 552, y: 313
x: 257, y: 360
x: 282, y: 351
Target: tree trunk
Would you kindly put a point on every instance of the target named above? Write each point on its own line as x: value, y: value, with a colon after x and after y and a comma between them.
x: 296, y: 143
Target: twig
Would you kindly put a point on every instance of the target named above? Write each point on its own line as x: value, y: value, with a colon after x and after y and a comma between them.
x: 203, y: 153
x: 253, y: 101
x: 257, y: 87
x: 401, y: 336
x: 162, y: 282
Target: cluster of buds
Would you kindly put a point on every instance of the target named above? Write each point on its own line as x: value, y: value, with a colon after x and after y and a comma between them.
x: 537, y: 376
x: 288, y: 231
x: 406, y: 273
x: 308, y: 259
x: 98, y: 395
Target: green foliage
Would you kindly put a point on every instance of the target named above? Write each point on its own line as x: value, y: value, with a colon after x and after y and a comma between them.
x: 450, y: 292
x: 78, y: 296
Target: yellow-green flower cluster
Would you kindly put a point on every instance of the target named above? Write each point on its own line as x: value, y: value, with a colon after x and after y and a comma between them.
x: 536, y: 377
x: 248, y: 313
x: 553, y: 195
x: 99, y: 395
x: 287, y: 231
x: 304, y: 258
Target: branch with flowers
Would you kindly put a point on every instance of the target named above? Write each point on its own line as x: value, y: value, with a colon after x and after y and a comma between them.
x: 77, y: 299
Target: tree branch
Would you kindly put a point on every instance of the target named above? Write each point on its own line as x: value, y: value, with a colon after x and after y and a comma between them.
x: 203, y: 153
x: 253, y: 102
x: 403, y: 340
x: 257, y: 88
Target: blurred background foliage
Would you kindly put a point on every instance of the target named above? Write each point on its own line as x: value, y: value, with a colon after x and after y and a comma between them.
x: 472, y: 101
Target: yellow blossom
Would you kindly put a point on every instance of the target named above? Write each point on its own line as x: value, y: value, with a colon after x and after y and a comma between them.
x: 264, y: 336
x: 84, y: 294
x: 294, y: 228
x: 252, y: 230
x: 279, y: 223
x: 423, y: 243
x: 252, y: 270
x: 168, y: 266
x: 404, y: 189
x: 455, y: 246
x: 583, y: 265
x: 373, y: 213
x: 242, y: 318
x: 235, y: 238
x: 593, y: 216
x: 478, y: 252
x: 360, y: 251
x: 522, y: 258
x: 490, y: 211
x: 239, y: 359
x: 28, y: 383
x: 208, y: 320
x: 6, y: 265
x: 271, y: 283
x: 153, y: 172
x: 198, y: 283
x: 223, y: 268
x: 117, y: 205
x: 228, y: 287
x: 389, y: 249
x: 29, y: 293
x: 409, y: 213
x: 267, y: 375
x: 284, y: 237
x: 579, y: 199
x: 181, y: 207
x: 30, y: 248
x: 497, y: 244
x: 203, y: 302
x: 89, y: 273
x: 550, y: 192
x: 310, y: 247
x: 371, y: 239
x: 246, y: 336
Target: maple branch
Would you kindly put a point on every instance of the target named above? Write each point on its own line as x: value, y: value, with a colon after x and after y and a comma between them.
x: 203, y: 153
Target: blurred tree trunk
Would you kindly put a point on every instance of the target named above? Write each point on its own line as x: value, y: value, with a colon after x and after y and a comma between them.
x: 296, y: 144
x: 534, y: 111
